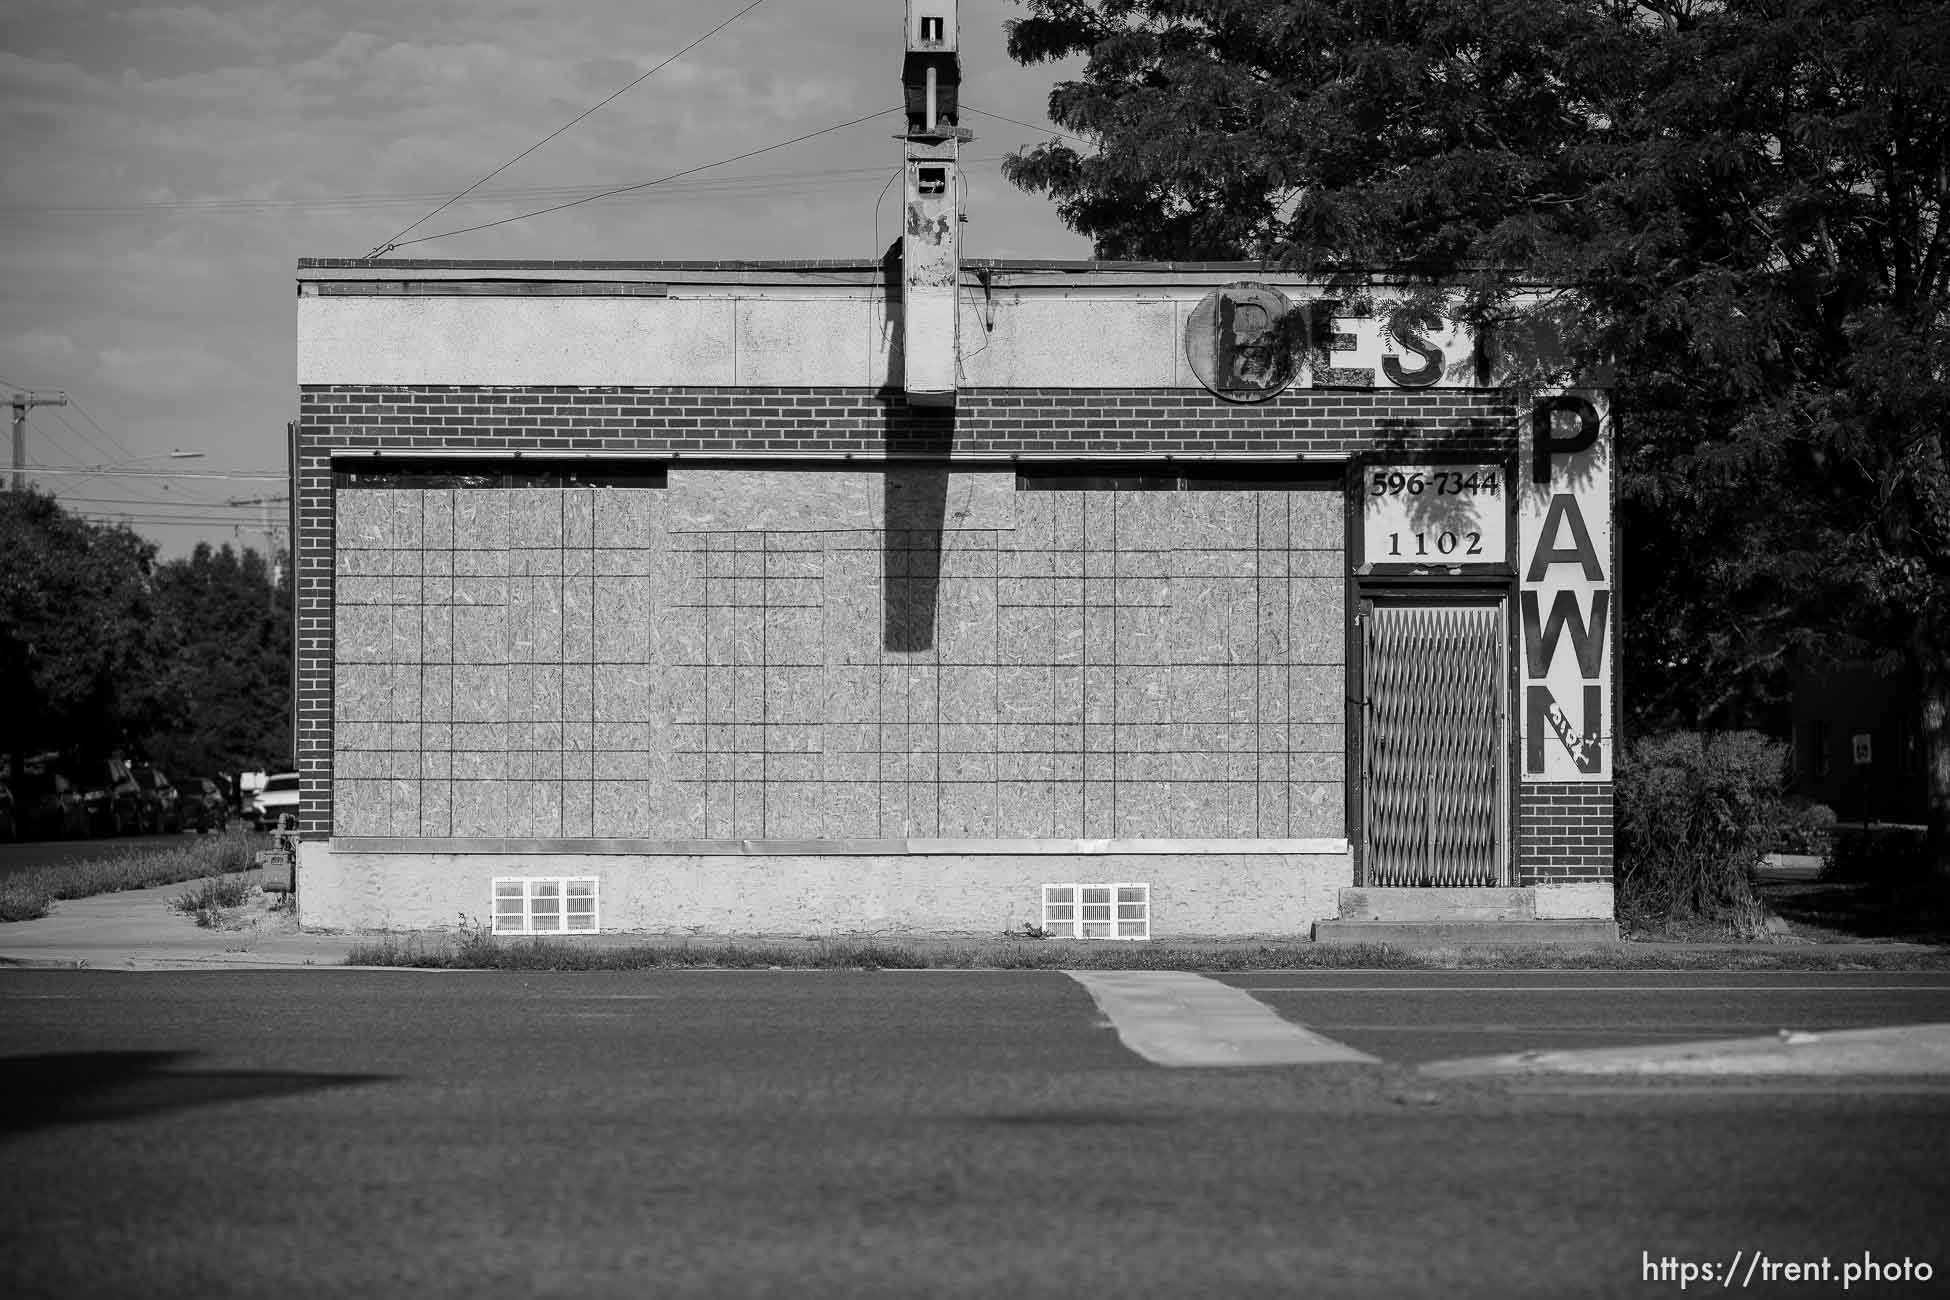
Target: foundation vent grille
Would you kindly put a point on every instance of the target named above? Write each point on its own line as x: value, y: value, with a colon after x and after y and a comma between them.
x: 546, y: 905
x: 1097, y: 911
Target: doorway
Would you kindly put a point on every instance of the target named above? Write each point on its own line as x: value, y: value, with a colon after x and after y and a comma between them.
x: 1435, y: 750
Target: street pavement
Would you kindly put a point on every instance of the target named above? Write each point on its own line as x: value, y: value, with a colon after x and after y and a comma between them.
x: 236, y: 1113
x: 937, y: 1133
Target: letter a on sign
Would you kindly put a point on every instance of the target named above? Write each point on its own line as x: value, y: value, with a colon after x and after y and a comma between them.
x: 1563, y: 512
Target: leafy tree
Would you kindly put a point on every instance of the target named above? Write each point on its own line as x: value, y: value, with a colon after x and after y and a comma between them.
x: 1739, y: 203
x: 221, y: 698
x: 102, y: 650
x: 74, y: 628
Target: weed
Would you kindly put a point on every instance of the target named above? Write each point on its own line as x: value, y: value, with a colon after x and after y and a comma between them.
x: 208, y: 901
x: 472, y: 949
x: 28, y: 894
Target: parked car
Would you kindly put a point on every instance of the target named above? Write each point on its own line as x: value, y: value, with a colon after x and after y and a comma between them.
x: 200, y: 803
x: 9, y: 817
x: 48, y: 807
x: 276, y: 799
x: 113, y: 799
x: 160, y: 815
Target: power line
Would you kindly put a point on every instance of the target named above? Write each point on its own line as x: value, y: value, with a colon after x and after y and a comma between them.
x: 88, y: 440
x: 967, y: 107
x: 96, y: 447
x: 98, y: 427
x: 625, y: 189
x: 278, y: 477
x: 755, y: 182
x: 392, y: 243
x: 233, y: 523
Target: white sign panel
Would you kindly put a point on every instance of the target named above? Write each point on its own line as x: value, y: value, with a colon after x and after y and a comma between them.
x: 1564, y: 523
x: 1434, y: 516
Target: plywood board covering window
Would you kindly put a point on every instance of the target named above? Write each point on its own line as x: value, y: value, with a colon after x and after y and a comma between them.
x: 773, y: 653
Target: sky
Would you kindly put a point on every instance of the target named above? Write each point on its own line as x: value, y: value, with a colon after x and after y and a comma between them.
x: 167, y: 166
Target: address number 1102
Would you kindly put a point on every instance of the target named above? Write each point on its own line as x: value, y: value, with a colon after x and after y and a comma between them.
x: 1417, y: 545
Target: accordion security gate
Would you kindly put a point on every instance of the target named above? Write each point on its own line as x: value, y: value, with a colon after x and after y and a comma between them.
x: 1434, y: 752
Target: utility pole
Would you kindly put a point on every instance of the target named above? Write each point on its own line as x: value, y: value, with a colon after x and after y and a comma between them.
x: 270, y: 532
x: 22, y: 401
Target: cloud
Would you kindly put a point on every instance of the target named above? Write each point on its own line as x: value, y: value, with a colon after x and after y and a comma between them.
x: 168, y: 371
x: 37, y: 352
x: 254, y: 30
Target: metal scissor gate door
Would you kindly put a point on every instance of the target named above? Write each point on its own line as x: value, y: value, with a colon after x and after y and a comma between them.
x: 1434, y: 754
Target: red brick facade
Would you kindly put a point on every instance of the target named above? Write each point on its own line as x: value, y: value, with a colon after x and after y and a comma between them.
x: 1564, y: 830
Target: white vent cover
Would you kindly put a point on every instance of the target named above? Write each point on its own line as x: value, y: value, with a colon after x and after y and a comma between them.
x: 545, y: 905
x: 1108, y: 911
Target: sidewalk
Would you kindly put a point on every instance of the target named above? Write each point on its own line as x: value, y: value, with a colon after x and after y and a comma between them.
x: 137, y: 929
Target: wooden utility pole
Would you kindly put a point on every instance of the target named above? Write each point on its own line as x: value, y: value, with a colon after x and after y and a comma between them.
x: 22, y: 401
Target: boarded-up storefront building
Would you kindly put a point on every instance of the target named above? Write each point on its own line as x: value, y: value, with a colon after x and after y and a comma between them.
x: 664, y: 597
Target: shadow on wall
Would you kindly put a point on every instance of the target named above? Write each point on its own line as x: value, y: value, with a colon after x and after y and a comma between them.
x: 916, y: 497
x: 915, y: 516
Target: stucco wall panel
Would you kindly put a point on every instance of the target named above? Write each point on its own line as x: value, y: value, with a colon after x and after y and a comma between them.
x: 800, y: 341
x: 1192, y: 895
x: 592, y: 341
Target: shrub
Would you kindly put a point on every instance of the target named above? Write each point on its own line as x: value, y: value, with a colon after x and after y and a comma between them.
x: 1695, y: 814
x: 1806, y: 828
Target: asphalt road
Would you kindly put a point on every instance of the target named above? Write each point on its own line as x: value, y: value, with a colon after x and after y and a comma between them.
x: 1410, y: 1017
x: 925, y: 1134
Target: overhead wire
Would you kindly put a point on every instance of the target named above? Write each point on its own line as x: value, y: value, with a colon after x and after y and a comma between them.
x: 183, y: 505
x: 79, y: 410
x: 43, y: 435
x: 642, y: 185
x: 967, y: 107
x: 104, y: 469
x: 277, y: 477
x: 388, y: 245
x: 754, y: 183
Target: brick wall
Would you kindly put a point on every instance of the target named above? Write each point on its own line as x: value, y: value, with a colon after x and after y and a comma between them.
x: 1143, y: 424
x: 1564, y: 832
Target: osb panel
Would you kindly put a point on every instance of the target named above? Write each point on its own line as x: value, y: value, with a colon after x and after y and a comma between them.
x: 730, y: 500
x: 824, y: 653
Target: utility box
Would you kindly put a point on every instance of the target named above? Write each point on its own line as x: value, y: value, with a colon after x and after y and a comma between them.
x: 931, y: 226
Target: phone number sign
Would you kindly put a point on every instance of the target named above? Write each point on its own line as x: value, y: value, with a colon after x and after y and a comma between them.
x: 1435, y: 516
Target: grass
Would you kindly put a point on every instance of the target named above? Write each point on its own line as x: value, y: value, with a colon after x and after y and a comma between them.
x: 26, y: 895
x: 211, y: 897
x: 472, y: 948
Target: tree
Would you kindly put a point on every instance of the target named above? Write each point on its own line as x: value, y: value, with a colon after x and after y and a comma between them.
x: 104, y: 651
x: 1739, y: 203
x: 221, y: 698
x: 74, y: 628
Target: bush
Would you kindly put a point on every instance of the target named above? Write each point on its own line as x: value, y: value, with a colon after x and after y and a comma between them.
x: 1696, y: 812
x: 1806, y: 828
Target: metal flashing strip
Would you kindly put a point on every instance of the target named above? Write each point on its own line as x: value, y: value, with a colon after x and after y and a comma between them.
x: 488, y: 289
x: 999, y: 459
x: 837, y: 848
